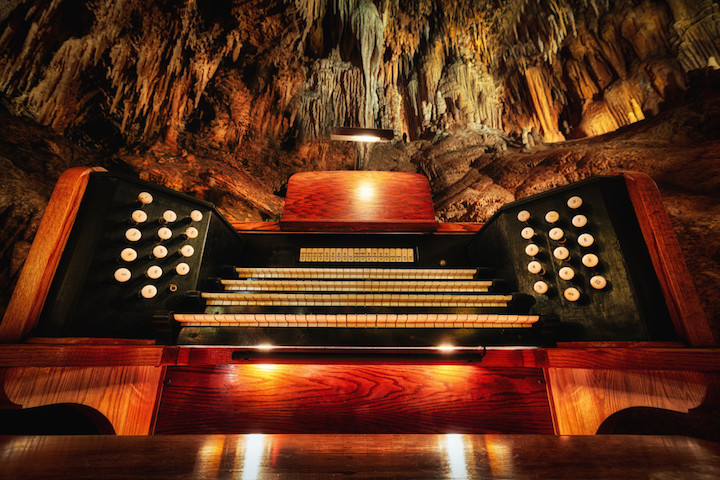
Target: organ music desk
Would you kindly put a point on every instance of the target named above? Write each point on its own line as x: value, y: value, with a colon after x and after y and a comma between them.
x: 568, y: 312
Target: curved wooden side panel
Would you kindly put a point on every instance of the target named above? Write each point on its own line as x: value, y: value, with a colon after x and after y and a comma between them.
x: 126, y: 396
x: 681, y: 297
x: 32, y: 288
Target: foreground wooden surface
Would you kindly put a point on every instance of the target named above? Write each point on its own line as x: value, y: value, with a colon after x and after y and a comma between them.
x: 358, y: 457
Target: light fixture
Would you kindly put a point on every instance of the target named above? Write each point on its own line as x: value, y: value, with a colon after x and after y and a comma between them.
x: 355, y: 134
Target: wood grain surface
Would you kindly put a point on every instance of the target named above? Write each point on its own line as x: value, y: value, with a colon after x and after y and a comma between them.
x: 359, y: 457
x: 125, y: 395
x: 353, y: 399
x: 677, y: 285
x: 358, y: 201
x: 36, y: 276
x: 581, y: 399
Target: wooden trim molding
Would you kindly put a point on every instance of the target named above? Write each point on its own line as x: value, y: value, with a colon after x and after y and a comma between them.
x: 681, y: 297
x: 34, y: 282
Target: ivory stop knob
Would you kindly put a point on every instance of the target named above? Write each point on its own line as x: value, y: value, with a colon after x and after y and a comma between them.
x: 159, y: 251
x: 575, y: 202
x: 532, y: 250
x: 122, y: 275
x: 133, y: 234
x: 598, y: 282
x: 196, y: 215
x: 540, y: 287
x: 566, y: 273
x: 561, y: 253
x: 527, y: 233
x: 590, y: 260
x: 169, y: 216
x: 154, y: 272
x: 534, y: 267
x: 585, y: 240
x: 579, y: 221
x: 128, y: 254
x: 556, y: 233
x: 187, y: 251
x: 191, y: 232
x: 523, y: 215
x: 164, y: 233
x: 552, y: 216
x: 572, y: 294
x: 139, y: 216
x: 145, y: 198
x: 182, y: 268
x: 148, y: 291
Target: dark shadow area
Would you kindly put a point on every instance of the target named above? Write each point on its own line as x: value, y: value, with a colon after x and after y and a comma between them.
x: 59, y: 419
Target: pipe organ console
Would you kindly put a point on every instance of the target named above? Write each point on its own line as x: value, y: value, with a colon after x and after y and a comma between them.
x: 582, y: 278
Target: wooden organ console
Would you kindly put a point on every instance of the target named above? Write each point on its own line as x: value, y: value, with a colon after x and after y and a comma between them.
x: 358, y: 312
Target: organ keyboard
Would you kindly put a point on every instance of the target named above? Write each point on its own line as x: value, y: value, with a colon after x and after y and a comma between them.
x: 142, y: 261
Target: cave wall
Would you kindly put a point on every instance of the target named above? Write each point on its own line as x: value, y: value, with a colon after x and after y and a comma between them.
x: 226, y: 99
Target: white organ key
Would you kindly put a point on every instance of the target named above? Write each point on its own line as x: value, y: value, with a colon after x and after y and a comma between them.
x: 187, y: 251
x: 585, y: 240
x: 139, y: 216
x: 561, y: 253
x: 182, y: 268
x: 556, y: 234
x: 532, y: 250
x: 598, y: 282
x: 128, y: 254
x: 575, y: 202
x: 572, y: 294
x: 160, y: 251
x: 523, y: 215
x: 196, y: 215
x: 541, y: 287
x: 154, y: 272
x: 535, y: 267
x: 169, y: 216
x: 566, y: 273
x: 527, y: 233
x: 148, y: 291
x: 590, y: 260
x: 133, y: 234
x: 145, y: 198
x: 552, y: 216
x: 579, y: 221
x: 191, y: 232
x: 164, y: 233
x: 122, y: 275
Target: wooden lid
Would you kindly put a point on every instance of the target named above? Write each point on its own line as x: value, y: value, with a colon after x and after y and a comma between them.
x: 358, y: 201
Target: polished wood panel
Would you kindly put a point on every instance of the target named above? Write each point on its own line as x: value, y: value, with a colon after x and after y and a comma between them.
x: 36, y: 276
x: 359, y: 457
x: 581, y: 399
x: 353, y: 398
x: 39, y: 355
x: 358, y: 201
x: 679, y: 291
x: 459, y: 227
x: 125, y: 395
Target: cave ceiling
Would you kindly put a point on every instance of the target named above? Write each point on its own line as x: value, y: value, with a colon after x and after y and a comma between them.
x: 492, y: 100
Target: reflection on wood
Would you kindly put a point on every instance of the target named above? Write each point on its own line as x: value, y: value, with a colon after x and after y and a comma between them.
x: 582, y: 399
x: 359, y: 457
x: 125, y: 395
x: 353, y: 398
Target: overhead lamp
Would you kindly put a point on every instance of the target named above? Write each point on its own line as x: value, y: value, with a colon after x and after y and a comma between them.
x: 355, y: 134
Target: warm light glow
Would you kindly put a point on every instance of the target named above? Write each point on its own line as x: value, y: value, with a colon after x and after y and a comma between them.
x: 365, y: 138
x: 266, y: 366
x: 455, y: 451
x: 446, y: 348
x: 264, y: 347
x: 355, y: 134
x: 366, y: 192
x: 252, y: 456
